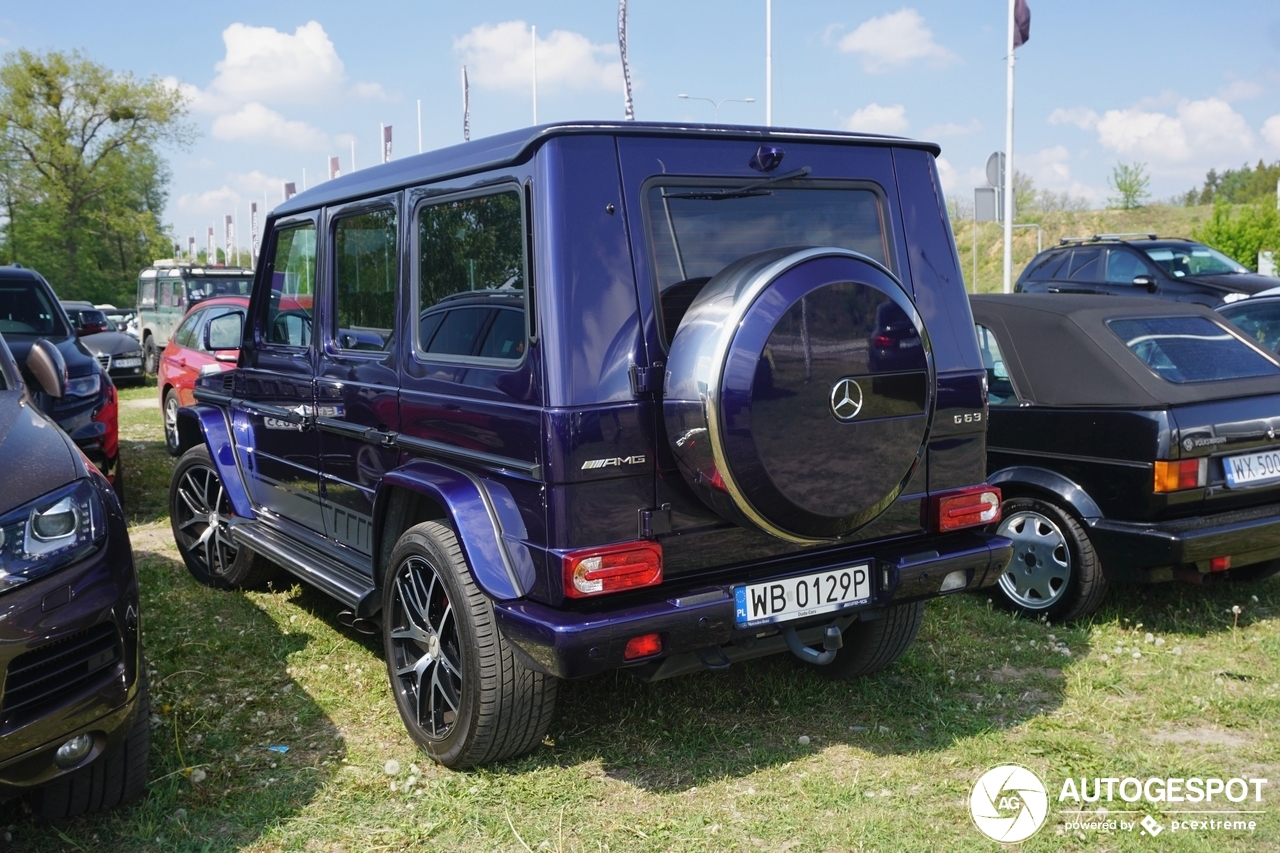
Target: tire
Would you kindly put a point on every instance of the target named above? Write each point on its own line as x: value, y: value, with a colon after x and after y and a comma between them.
x: 873, y: 645
x: 150, y: 357
x: 212, y: 557
x: 480, y: 704
x: 170, y: 413
x: 113, y: 779
x: 1055, y: 571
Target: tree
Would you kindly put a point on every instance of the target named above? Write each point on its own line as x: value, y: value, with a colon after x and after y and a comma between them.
x: 1130, y: 182
x: 1254, y: 228
x: 83, y: 183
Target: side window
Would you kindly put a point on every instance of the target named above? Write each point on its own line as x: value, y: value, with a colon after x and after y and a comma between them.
x: 364, y: 258
x: 505, y: 338
x: 179, y: 294
x: 293, y: 272
x: 186, y: 334
x: 164, y: 291
x: 1123, y: 266
x: 471, y: 255
x: 1048, y: 267
x: 1086, y: 264
x: 147, y: 293
x: 999, y: 387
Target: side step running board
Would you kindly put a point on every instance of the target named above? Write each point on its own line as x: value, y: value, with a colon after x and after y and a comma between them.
x: 347, y: 585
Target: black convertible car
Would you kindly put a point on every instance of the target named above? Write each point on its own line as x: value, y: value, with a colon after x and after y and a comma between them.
x: 1133, y: 440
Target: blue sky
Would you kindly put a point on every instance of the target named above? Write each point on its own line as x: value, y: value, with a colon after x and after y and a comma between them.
x: 279, y: 87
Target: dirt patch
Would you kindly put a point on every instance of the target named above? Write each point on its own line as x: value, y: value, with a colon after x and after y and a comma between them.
x: 1009, y: 674
x: 1202, y: 736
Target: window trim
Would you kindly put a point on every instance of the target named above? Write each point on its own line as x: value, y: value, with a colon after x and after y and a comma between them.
x: 329, y: 287
x: 413, y: 316
x: 266, y: 268
x: 1221, y: 322
x: 730, y: 181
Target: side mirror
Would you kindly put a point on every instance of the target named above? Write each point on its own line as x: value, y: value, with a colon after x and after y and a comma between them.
x: 48, y: 367
x: 1147, y: 281
x: 223, y: 334
x: 91, y: 322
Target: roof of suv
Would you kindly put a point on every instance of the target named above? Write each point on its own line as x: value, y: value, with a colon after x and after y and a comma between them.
x: 509, y: 148
x: 1143, y: 241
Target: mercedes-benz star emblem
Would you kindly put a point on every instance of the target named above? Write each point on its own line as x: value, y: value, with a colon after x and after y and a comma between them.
x: 846, y: 399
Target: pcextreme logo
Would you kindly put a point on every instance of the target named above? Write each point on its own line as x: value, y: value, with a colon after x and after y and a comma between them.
x: 1009, y: 803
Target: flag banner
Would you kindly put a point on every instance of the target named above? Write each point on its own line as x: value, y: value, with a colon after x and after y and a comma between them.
x: 334, y: 171
x: 230, y: 240
x: 466, y: 107
x: 622, y: 51
x: 177, y: 251
x: 290, y: 190
x: 211, y: 254
x: 1021, y: 23
x: 386, y: 143
x: 253, y: 231
x: 191, y: 249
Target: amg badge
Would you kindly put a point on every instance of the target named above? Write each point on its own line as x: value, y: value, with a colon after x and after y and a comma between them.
x: 592, y: 464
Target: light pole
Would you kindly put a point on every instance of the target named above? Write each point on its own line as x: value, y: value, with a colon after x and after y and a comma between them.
x: 717, y: 104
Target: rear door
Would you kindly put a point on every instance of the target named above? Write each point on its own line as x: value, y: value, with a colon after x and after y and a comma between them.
x: 357, y: 388
x: 282, y: 462
x: 1083, y: 273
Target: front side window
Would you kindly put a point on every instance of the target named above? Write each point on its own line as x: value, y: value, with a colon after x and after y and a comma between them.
x: 471, y: 277
x: 1191, y: 349
x: 697, y: 230
x: 1123, y: 266
x: 293, y: 270
x: 999, y: 387
x: 364, y: 280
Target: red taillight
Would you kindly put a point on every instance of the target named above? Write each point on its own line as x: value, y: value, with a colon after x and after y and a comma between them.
x: 643, y: 646
x: 965, y: 508
x: 612, y: 568
x: 882, y: 342
x: 1183, y: 474
x: 1219, y: 564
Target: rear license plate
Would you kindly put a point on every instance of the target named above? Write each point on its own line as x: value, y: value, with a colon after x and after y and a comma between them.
x: 127, y: 362
x: 1250, y: 469
x: 804, y: 595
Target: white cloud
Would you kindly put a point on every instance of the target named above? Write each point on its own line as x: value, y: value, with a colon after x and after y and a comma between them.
x: 256, y: 123
x: 1083, y: 118
x: 265, y: 65
x: 874, y: 118
x: 1240, y: 90
x: 1271, y: 131
x: 254, y: 184
x: 1050, y: 168
x: 1206, y: 129
x: 947, y: 174
x: 501, y: 57
x: 210, y: 203
x: 952, y: 129
x: 893, y: 41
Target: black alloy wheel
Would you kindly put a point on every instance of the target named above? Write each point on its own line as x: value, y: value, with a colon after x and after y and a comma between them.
x: 425, y: 651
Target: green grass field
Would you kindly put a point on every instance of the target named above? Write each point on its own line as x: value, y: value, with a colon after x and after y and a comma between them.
x: 1165, y: 682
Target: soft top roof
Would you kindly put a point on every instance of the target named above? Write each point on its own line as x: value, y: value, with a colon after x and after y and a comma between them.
x: 1059, y: 351
x: 507, y: 149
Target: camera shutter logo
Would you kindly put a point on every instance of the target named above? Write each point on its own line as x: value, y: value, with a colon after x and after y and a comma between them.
x: 1009, y: 803
x: 846, y: 399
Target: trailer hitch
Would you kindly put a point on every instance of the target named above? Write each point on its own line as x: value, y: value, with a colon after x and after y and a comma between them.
x: 831, y: 642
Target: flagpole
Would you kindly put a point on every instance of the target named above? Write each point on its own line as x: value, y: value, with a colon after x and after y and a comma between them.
x: 1008, y: 161
x: 768, y: 62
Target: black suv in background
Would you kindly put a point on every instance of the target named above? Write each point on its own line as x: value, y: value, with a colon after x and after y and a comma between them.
x: 1141, y: 265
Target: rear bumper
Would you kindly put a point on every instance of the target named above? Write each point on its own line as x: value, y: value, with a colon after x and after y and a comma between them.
x: 1131, y: 550
x: 571, y: 644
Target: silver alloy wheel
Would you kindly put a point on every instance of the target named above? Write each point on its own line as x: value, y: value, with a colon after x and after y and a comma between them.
x: 1041, y: 568
x: 426, y: 654
x: 171, y: 420
x: 202, y: 515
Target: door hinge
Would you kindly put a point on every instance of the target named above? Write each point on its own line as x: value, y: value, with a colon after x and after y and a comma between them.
x: 646, y: 380
x: 655, y: 522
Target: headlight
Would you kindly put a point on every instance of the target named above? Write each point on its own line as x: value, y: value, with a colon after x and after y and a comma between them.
x: 1234, y: 297
x: 84, y: 386
x: 49, y: 533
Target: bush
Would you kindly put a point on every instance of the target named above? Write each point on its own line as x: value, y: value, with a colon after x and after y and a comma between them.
x: 1251, y: 229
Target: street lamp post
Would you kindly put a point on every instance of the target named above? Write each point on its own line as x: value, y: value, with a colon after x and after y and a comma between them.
x: 717, y: 104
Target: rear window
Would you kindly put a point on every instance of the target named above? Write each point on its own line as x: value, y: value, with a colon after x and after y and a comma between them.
x: 1191, y: 349
x: 692, y: 235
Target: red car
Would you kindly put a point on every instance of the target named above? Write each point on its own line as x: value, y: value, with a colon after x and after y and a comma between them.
x: 185, y: 358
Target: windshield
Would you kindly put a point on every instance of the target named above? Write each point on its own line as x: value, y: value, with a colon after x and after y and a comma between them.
x: 1191, y: 349
x: 25, y: 309
x: 694, y: 232
x: 1193, y: 260
x: 204, y: 288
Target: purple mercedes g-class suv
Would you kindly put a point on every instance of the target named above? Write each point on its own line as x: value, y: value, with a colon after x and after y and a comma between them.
x: 602, y: 395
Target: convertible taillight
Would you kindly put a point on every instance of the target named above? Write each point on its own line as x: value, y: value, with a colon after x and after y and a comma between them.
x: 612, y: 568
x: 1183, y: 474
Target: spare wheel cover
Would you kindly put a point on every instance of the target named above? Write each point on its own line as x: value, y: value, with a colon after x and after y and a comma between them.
x: 799, y: 391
